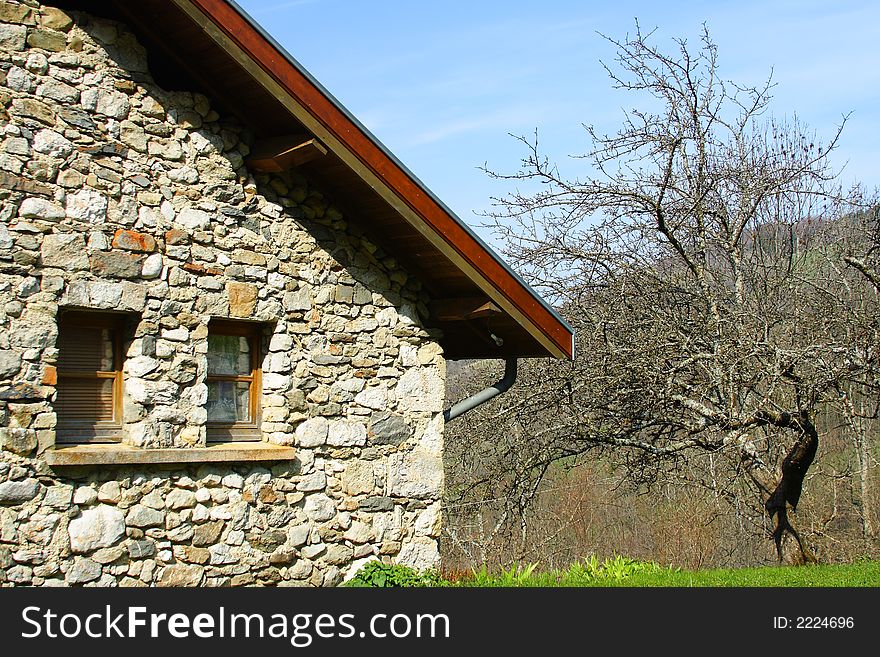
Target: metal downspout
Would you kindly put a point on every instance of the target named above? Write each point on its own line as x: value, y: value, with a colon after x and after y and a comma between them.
x: 484, y: 395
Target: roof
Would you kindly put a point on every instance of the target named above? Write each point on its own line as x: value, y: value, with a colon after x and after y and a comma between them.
x: 483, y: 307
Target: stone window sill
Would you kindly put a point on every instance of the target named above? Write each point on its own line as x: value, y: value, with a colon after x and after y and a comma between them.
x: 125, y: 455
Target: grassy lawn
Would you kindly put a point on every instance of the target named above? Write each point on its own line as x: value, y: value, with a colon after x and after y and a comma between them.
x: 865, y: 574
x: 624, y: 572
x: 636, y: 574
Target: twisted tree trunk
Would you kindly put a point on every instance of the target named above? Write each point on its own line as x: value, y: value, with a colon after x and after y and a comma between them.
x: 794, y: 468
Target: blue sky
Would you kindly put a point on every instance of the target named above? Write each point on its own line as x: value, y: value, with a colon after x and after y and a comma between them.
x: 443, y: 84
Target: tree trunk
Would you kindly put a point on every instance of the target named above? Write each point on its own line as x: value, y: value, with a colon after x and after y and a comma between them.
x: 864, y: 453
x: 785, y: 496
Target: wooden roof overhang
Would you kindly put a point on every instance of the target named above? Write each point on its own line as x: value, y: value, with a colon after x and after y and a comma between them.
x: 483, y: 308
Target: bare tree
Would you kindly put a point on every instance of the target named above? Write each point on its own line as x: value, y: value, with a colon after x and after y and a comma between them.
x: 694, y: 263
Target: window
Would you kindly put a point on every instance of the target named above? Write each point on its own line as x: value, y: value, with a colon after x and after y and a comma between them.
x: 233, y: 381
x: 89, y: 390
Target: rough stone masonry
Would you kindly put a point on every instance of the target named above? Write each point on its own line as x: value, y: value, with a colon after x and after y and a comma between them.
x: 116, y: 195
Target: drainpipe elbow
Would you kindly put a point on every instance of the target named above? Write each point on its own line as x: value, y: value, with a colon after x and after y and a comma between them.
x: 469, y: 404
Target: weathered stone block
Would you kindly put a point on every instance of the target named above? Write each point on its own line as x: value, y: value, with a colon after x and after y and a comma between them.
x: 374, y: 397
x: 420, y: 554
x: 115, y: 264
x: 388, y: 429
x: 132, y: 240
x: 195, y: 554
x: 10, y: 363
x: 55, y: 19
x: 87, y: 205
x: 59, y: 497
x: 180, y: 499
x: 338, y: 554
x: 83, y: 570
x: 343, y: 294
x: 312, y: 432
x: 49, y: 142
x: 181, y: 575
x: 133, y: 135
x: 299, y: 534
x: 248, y: 257
x: 58, y: 91
x: 47, y: 40
x: 358, y: 478
x: 13, y: 12
x: 420, y: 388
x: 346, y: 433
x: 84, y: 495
x: 141, y: 549
x: 104, y: 295
x: 298, y: 300
x: 376, y: 503
x: 65, y: 251
x: 18, y: 440
x: 319, y: 507
x: 152, y: 266
x: 96, y: 528
x: 193, y: 219
x: 314, y: 551
x: 418, y: 473
x: 32, y: 108
x: 38, y: 208
x: 180, y: 534
x: 109, y: 555
x: 142, y: 516
x: 18, y: 492
x: 359, y: 532
x: 12, y: 37
x: 153, y: 392
x: 274, y: 381
x: 112, y: 103
x: 312, y: 482
x: 242, y: 299
x: 268, y: 541
x: 207, y: 533
x: 221, y: 555
x: 110, y: 491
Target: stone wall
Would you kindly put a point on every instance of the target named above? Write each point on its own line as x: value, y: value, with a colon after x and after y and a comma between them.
x: 118, y: 195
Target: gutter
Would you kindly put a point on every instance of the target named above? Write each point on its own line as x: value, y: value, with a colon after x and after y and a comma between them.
x: 484, y: 395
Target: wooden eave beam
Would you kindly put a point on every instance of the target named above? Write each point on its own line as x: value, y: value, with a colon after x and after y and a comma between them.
x: 277, y: 154
x: 463, y: 309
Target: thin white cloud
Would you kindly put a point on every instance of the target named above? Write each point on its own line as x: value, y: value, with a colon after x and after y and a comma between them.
x: 501, y: 121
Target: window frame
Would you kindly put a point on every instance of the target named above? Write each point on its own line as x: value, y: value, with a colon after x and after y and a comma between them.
x: 250, y: 431
x: 92, y: 431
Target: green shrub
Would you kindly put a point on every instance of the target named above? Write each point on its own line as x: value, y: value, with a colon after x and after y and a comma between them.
x: 378, y: 574
x: 617, y: 568
x: 514, y: 576
x: 589, y: 572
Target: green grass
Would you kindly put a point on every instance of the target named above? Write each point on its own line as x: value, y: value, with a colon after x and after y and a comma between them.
x: 863, y: 574
x: 623, y: 572
x: 641, y: 574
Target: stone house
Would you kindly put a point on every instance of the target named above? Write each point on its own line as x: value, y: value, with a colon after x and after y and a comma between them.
x: 225, y: 310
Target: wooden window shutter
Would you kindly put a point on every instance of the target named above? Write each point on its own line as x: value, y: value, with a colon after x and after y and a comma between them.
x: 89, y: 392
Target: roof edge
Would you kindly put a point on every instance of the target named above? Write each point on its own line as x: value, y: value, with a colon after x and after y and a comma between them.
x: 218, y: 12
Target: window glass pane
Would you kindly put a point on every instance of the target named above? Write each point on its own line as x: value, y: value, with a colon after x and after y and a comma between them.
x: 229, y: 355
x: 84, y: 400
x: 86, y: 349
x: 229, y: 401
